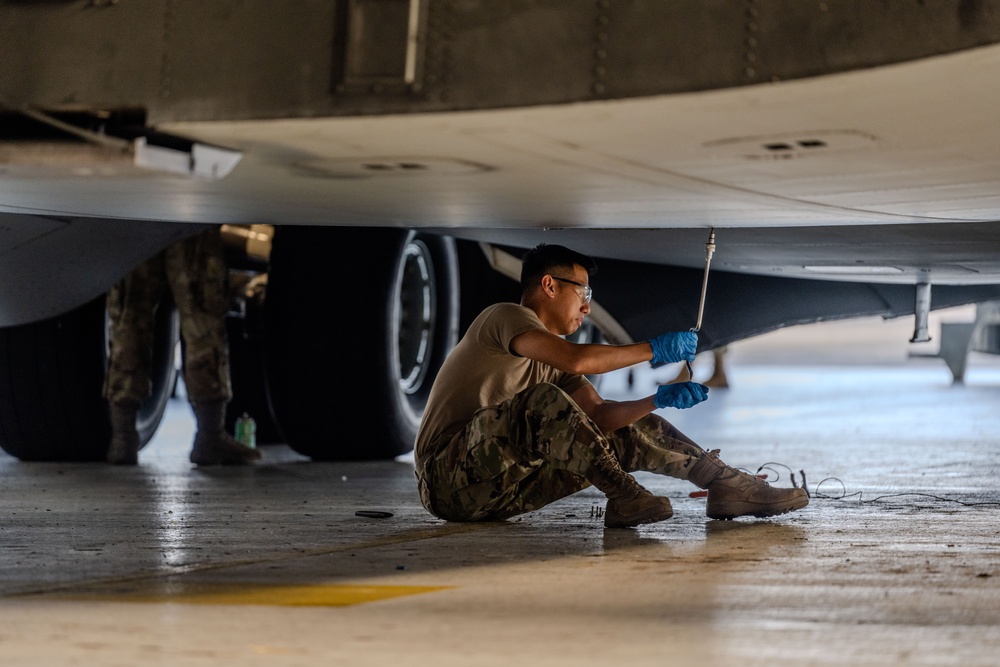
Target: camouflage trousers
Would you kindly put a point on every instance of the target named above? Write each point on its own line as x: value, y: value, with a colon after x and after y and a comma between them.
x: 195, y: 272
x: 535, y: 449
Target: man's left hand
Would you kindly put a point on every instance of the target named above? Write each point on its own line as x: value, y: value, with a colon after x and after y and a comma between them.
x: 680, y: 395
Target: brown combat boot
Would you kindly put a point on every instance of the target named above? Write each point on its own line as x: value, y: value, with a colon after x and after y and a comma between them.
x: 733, y: 493
x: 212, y: 445
x: 629, y: 504
x: 124, y: 447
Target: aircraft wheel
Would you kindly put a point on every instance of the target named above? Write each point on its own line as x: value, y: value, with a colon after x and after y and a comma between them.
x: 589, y: 333
x: 51, y: 376
x: 249, y: 382
x: 164, y: 372
x: 358, y: 323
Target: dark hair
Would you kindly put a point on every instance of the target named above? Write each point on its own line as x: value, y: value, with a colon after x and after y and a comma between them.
x: 541, y: 259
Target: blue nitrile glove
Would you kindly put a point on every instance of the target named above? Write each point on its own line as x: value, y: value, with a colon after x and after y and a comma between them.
x: 680, y: 395
x: 674, y: 346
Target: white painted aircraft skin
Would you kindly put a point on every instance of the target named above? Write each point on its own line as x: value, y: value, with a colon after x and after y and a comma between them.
x: 913, y: 142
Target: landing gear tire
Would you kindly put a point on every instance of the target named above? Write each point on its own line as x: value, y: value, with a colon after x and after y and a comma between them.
x: 164, y: 371
x: 588, y: 333
x: 358, y: 323
x: 51, y: 378
x: 249, y: 382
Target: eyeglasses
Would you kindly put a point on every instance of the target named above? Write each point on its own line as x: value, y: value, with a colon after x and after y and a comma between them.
x: 587, y: 292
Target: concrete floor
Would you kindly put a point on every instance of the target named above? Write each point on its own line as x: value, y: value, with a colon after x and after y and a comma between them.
x: 895, y: 562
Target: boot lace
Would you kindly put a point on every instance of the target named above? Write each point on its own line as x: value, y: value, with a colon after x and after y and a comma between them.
x: 731, y: 476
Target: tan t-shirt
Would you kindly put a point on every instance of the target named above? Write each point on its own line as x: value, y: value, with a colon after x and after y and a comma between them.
x: 483, y: 371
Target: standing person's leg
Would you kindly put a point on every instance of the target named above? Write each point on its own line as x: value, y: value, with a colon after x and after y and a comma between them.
x: 653, y: 444
x: 198, y: 278
x: 719, y: 379
x: 131, y: 304
x: 534, y: 449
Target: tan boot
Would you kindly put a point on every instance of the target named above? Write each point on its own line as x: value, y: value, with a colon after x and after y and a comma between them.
x: 124, y: 447
x: 733, y: 493
x: 212, y: 445
x: 629, y: 504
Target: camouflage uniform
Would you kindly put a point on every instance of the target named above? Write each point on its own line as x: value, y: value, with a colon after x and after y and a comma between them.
x: 534, y: 449
x: 195, y: 272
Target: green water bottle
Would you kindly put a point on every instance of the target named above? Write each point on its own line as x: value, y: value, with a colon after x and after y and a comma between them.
x: 246, y: 431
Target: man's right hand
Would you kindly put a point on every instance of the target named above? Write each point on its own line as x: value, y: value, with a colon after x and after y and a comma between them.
x: 680, y: 395
x: 674, y: 346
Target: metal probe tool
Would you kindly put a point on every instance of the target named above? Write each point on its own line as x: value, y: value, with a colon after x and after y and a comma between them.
x: 709, y: 251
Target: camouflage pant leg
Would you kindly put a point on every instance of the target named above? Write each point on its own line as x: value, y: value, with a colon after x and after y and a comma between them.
x: 131, y: 306
x: 512, y: 458
x: 196, y: 271
x: 653, y: 444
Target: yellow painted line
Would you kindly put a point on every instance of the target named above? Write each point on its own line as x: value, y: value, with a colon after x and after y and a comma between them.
x: 80, y: 588
x: 271, y: 595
